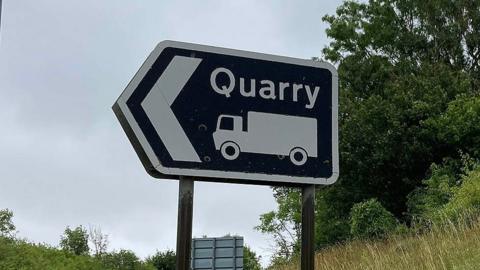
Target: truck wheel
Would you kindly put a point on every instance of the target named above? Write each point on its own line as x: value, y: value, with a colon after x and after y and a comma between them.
x: 230, y: 150
x: 298, y: 156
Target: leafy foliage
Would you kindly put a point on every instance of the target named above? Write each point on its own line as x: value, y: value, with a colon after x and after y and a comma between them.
x: 370, y: 219
x: 7, y: 228
x: 163, y: 260
x: 424, y: 202
x: 466, y: 197
x: 458, y: 125
x: 18, y: 254
x: 75, y: 241
x: 124, y: 260
x: 250, y: 259
x: 283, y: 224
x: 21, y: 254
x: 409, y: 77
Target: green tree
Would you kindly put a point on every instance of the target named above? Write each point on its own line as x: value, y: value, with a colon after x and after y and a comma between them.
x: 457, y: 127
x: 7, y: 228
x: 406, y: 70
x: 75, y: 241
x: 250, y: 259
x: 370, y: 219
x: 163, y: 260
x: 284, y: 224
x: 400, y: 65
x: 124, y: 260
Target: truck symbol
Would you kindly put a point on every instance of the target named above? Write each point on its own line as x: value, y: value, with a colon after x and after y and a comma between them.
x: 267, y: 133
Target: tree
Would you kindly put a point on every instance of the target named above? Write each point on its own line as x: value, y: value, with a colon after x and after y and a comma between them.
x: 404, y: 67
x: 250, y: 259
x: 98, y: 240
x: 7, y: 228
x: 284, y: 224
x: 124, y: 260
x: 401, y: 64
x: 163, y: 260
x: 75, y: 241
x: 369, y: 219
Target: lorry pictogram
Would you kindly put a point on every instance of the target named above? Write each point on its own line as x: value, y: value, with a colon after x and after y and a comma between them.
x: 267, y: 133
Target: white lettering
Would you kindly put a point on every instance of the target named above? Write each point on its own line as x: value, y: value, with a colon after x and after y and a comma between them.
x: 296, y: 87
x: 281, y: 89
x: 252, y: 88
x: 270, y: 88
x: 224, y: 90
x: 311, y: 97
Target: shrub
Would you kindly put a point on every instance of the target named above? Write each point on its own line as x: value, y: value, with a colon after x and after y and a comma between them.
x: 465, y: 198
x: 370, y: 219
x: 424, y: 202
x: 75, y: 241
x: 163, y: 260
x: 124, y: 260
x: 250, y: 259
x: 19, y: 254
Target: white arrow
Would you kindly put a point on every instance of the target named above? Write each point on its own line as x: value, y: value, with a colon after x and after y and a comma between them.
x: 157, y: 107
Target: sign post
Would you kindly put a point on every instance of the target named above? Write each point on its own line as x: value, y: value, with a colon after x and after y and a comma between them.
x: 224, y: 115
x: 308, y: 228
x: 184, y: 223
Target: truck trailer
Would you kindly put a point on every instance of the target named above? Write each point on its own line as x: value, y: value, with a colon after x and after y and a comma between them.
x: 267, y: 133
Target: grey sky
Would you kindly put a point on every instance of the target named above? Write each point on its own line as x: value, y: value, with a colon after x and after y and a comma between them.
x: 64, y: 160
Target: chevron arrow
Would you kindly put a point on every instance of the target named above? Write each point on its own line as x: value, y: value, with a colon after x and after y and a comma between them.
x: 157, y: 105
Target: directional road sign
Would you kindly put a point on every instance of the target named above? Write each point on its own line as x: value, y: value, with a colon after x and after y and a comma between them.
x: 218, y: 114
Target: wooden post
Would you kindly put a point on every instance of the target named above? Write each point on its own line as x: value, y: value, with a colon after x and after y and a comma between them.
x: 184, y: 223
x: 308, y: 227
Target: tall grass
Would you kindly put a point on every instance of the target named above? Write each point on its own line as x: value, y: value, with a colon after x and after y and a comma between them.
x: 445, y: 245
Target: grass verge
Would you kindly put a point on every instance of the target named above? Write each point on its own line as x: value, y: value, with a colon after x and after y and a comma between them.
x: 452, y: 245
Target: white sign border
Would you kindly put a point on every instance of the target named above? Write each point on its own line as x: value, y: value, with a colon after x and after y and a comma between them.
x: 215, y: 175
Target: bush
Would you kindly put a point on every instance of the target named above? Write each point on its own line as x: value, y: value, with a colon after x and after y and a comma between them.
x: 370, y: 219
x: 163, y: 260
x: 20, y: 254
x: 124, y: 260
x: 250, y: 259
x: 465, y: 198
x: 75, y: 241
x: 424, y: 202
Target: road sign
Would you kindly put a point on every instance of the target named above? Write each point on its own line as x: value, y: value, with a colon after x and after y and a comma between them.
x: 215, y: 114
x: 217, y: 253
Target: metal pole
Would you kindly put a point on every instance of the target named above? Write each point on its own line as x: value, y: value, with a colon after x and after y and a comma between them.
x: 308, y: 227
x: 184, y: 223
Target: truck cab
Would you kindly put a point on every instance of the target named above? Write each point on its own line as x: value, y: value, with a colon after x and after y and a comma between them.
x: 229, y: 123
x: 229, y: 135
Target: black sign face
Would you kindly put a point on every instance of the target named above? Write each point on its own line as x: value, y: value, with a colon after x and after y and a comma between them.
x: 215, y: 113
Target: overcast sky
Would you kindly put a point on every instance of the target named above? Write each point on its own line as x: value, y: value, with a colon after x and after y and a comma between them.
x: 64, y: 159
